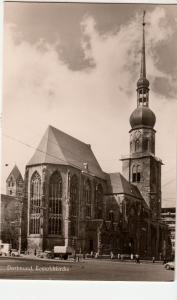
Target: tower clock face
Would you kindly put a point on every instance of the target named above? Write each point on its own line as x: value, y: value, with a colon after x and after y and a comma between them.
x: 137, y: 134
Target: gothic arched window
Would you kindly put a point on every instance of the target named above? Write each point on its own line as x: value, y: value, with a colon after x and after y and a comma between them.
x: 11, y: 182
x: 99, y: 202
x: 136, y: 173
x: 55, y: 204
x: 87, y: 197
x: 35, y: 203
x: 54, y: 225
x: 73, y: 195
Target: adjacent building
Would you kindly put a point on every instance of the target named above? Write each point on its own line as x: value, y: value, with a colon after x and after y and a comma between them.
x: 168, y: 215
x: 11, y: 211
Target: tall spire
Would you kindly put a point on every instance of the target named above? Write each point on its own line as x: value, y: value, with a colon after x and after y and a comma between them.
x: 143, y: 83
x: 143, y: 53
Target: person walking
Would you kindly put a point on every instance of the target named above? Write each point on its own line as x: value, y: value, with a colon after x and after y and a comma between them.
x: 111, y: 255
x: 137, y: 258
x: 96, y: 255
x: 153, y: 259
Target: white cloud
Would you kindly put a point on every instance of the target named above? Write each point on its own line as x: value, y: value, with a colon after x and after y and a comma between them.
x: 93, y: 104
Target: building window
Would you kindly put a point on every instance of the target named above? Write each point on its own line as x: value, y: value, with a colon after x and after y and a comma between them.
x: 146, y: 144
x: 35, y: 203
x: 55, y: 204
x: 73, y: 228
x: 99, y: 202
x: 54, y: 225
x: 73, y: 196
x: 11, y: 182
x: 137, y: 145
x: 87, y: 198
x: 136, y: 174
x: 111, y: 216
x: 138, y: 179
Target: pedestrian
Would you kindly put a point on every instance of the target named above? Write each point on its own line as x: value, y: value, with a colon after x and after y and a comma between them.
x: 137, y: 258
x: 75, y: 256
x: 153, y: 259
x: 118, y: 256
x: 96, y: 255
x: 122, y: 257
x: 131, y: 256
x: 35, y: 251
x: 111, y: 255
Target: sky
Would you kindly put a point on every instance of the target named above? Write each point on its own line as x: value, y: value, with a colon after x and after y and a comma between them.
x: 75, y: 66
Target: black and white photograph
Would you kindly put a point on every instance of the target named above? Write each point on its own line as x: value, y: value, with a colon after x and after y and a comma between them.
x: 88, y: 141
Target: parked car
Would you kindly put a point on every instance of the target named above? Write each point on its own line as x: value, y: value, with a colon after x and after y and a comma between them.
x: 63, y: 252
x: 170, y: 265
x: 45, y: 254
x: 14, y: 252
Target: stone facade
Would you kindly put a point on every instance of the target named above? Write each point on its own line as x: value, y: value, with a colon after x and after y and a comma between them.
x: 81, y: 222
x: 10, y: 220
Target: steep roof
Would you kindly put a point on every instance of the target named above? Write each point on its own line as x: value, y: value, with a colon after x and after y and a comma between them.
x: 118, y: 184
x: 15, y: 173
x: 57, y: 147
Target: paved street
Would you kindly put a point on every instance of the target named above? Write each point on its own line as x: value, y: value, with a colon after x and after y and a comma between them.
x: 22, y: 268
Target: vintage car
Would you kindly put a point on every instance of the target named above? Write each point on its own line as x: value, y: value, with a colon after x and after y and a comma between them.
x: 14, y: 252
x: 170, y: 265
x: 45, y: 254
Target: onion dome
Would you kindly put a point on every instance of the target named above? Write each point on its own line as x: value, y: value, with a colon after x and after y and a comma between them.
x: 142, y: 116
x: 142, y: 82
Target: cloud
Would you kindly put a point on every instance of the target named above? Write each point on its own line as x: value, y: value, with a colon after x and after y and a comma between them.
x: 92, y: 104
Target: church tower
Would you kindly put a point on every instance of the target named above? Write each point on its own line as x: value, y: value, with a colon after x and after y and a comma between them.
x: 142, y: 167
x: 14, y: 183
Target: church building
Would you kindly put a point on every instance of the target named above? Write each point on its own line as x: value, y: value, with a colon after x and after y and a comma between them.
x: 70, y: 201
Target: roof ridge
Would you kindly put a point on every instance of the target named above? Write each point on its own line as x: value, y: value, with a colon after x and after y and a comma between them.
x: 74, y: 138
